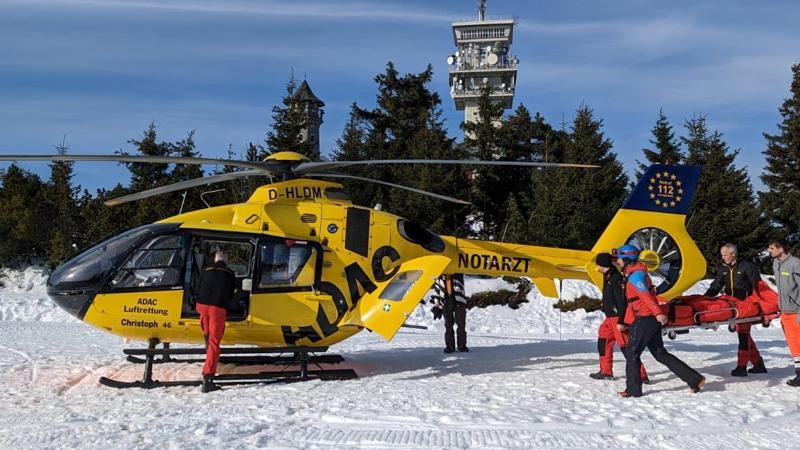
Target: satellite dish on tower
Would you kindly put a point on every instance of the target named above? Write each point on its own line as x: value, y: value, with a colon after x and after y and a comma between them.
x: 451, y: 60
x: 492, y: 59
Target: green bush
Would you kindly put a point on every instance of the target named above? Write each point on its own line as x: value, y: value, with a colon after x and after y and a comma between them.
x: 503, y: 296
x: 587, y: 303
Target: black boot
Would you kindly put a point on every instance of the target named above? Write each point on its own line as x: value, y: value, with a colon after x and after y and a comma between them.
x: 758, y: 367
x: 209, y: 385
x: 739, y: 371
x: 602, y: 376
x: 794, y: 382
x: 449, y: 349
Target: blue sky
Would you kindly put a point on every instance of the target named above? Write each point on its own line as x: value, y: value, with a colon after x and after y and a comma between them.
x: 99, y: 71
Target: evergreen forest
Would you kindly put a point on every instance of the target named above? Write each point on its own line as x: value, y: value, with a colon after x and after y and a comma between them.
x: 46, y: 221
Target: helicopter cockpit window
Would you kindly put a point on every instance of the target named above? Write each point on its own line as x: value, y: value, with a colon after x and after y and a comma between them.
x: 284, y: 263
x: 416, y: 233
x: 158, y: 263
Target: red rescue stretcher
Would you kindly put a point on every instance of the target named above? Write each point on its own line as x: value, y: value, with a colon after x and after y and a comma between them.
x: 698, y: 311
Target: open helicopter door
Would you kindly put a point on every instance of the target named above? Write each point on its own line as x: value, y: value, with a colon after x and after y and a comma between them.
x: 386, y: 308
x: 240, y: 251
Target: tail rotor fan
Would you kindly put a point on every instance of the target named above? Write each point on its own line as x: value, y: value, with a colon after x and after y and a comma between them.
x: 661, y: 254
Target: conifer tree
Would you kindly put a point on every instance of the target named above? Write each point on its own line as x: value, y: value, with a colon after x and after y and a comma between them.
x: 146, y: 176
x: 781, y: 202
x: 575, y: 205
x: 483, y: 140
x: 189, y: 200
x: 63, y: 201
x: 723, y: 209
x: 101, y: 221
x: 150, y: 175
x: 405, y: 124
x: 351, y: 146
x: 287, y: 123
x: 515, y: 225
x: 666, y: 149
x: 524, y: 138
x: 25, y: 220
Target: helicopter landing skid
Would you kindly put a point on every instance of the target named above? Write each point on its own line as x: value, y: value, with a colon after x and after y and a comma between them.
x: 299, y: 356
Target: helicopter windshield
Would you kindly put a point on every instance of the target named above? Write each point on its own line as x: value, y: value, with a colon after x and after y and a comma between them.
x: 92, y: 267
x: 157, y: 263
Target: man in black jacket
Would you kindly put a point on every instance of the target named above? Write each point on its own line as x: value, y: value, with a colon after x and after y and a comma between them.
x: 216, y: 290
x: 738, y: 279
x: 613, y: 329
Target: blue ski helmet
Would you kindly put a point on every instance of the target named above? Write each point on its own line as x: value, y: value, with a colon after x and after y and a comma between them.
x: 626, y: 252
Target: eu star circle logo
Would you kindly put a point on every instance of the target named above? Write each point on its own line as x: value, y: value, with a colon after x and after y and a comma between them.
x: 665, y: 189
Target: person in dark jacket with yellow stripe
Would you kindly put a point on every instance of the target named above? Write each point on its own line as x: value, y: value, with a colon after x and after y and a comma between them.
x: 738, y: 278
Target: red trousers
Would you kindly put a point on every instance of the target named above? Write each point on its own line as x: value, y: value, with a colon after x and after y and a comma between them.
x: 747, y: 348
x: 791, y: 329
x: 607, y: 335
x: 212, y: 322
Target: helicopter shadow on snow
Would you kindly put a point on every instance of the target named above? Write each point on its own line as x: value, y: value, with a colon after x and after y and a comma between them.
x: 524, y: 355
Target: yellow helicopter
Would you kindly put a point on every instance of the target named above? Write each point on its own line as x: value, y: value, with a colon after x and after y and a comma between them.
x: 314, y: 269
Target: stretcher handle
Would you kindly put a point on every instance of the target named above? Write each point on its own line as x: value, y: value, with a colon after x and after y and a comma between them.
x: 735, y: 313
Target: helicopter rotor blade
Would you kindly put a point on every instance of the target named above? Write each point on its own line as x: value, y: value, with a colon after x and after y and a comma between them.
x: 182, y: 185
x: 303, y: 168
x: 271, y: 167
x: 385, y: 183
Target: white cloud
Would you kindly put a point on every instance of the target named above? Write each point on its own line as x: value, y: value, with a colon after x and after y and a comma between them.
x: 277, y: 9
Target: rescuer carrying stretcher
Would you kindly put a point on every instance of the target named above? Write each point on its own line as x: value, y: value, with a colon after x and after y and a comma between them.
x: 613, y: 329
x: 738, y: 279
x: 645, y: 332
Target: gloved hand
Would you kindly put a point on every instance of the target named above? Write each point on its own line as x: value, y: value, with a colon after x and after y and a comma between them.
x: 437, y: 312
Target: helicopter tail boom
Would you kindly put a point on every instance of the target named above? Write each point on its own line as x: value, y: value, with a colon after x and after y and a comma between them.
x: 652, y: 218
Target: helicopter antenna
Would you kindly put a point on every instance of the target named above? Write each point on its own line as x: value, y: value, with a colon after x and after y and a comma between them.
x: 180, y: 211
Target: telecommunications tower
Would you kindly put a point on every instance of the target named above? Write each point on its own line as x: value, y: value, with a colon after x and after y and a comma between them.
x: 482, y: 58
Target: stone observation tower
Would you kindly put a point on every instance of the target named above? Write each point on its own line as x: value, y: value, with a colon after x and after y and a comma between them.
x: 310, y: 105
x: 482, y: 58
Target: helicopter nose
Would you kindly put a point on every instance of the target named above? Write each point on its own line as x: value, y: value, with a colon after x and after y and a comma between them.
x: 75, y: 302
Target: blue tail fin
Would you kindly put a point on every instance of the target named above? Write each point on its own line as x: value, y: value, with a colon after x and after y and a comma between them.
x: 667, y: 189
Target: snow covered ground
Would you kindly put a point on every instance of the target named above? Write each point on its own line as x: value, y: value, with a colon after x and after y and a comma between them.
x: 525, y: 384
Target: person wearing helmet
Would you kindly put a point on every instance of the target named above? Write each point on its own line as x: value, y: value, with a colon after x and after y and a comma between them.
x: 613, y: 329
x: 645, y: 331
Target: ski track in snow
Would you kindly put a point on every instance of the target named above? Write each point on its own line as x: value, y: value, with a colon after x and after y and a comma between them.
x: 521, y: 386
